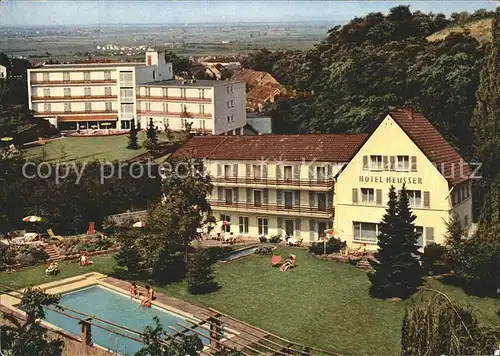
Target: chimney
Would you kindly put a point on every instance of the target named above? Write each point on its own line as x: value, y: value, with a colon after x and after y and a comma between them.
x: 409, y: 111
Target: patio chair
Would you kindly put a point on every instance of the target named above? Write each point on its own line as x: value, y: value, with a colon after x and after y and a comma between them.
x: 275, y: 260
x: 54, y: 236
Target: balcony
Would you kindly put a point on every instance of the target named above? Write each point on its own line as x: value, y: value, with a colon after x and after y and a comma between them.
x: 73, y: 98
x: 272, y: 209
x: 173, y: 98
x: 58, y: 113
x: 189, y: 115
x: 268, y: 182
x: 73, y: 82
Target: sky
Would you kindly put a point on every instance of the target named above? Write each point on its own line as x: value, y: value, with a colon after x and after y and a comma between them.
x: 76, y: 12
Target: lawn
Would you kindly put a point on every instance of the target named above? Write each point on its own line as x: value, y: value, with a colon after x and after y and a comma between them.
x: 104, y: 148
x: 319, y: 303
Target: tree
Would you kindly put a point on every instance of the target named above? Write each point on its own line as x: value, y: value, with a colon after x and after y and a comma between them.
x: 397, y: 273
x: 436, y: 325
x: 132, y: 137
x: 157, y: 342
x: 486, y: 117
x: 454, y: 241
x: 181, y: 65
x: 151, y: 138
x: 128, y: 258
x: 31, y: 338
x: 199, y: 273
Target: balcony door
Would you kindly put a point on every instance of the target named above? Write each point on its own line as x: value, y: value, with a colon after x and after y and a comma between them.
x: 289, y: 227
x: 321, y: 174
x: 229, y: 196
x: 322, y: 201
x: 321, y: 228
x: 288, y: 173
x: 288, y: 200
x: 257, y: 198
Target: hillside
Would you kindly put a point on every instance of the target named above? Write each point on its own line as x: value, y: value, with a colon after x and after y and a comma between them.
x: 480, y: 29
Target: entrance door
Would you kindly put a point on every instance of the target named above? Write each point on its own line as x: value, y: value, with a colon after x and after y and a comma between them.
x: 321, y: 228
x: 289, y: 227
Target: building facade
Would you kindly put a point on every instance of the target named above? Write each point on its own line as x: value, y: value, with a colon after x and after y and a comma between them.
x: 108, y: 96
x: 302, y: 185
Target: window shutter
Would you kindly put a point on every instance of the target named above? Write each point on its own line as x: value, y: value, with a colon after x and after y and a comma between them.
x: 429, y: 235
x: 235, y: 170
x: 279, y: 196
x: 311, y: 199
x: 264, y: 170
x: 427, y: 200
x: 280, y: 224
x: 329, y: 200
x: 365, y: 163
x: 386, y: 162
x: 248, y: 170
x: 413, y: 163
x: 296, y: 196
x: 297, y: 227
x: 393, y: 163
x: 236, y: 195
x: 296, y: 172
x: 265, y: 194
x: 249, y: 195
x: 310, y: 172
x: 354, y: 195
x: 219, y: 169
x: 220, y: 193
x: 329, y: 172
x: 278, y: 171
x: 379, y: 196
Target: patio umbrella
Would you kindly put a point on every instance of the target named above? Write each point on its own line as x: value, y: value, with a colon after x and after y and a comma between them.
x: 139, y: 224
x: 6, y: 139
x: 223, y: 223
x: 107, y: 125
x: 32, y: 218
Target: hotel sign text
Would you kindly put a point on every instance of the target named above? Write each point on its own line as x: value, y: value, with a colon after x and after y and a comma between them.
x: 390, y: 180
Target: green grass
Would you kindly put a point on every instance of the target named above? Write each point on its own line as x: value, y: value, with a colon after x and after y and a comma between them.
x: 319, y: 303
x: 108, y: 148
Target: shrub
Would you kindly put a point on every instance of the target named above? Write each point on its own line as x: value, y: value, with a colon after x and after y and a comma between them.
x: 433, y: 259
x: 199, y: 273
x: 333, y: 245
x: 275, y: 239
x: 128, y: 258
x: 264, y: 250
x: 263, y: 239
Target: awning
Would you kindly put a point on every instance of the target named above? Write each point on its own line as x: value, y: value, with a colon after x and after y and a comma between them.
x: 87, y: 118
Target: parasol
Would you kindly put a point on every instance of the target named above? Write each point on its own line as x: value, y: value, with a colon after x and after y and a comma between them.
x: 6, y: 139
x: 139, y: 224
x: 223, y: 223
x: 32, y: 218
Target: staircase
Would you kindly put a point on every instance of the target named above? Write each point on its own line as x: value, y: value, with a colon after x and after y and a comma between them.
x: 364, y: 264
x: 53, y: 252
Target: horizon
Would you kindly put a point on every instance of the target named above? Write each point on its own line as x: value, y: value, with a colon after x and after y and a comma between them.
x: 51, y: 13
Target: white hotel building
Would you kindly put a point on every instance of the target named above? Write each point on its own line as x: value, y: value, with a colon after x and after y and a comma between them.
x: 109, y: 95
x: 301, y: 185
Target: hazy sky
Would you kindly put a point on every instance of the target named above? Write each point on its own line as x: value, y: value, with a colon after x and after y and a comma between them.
x: 75, y: 12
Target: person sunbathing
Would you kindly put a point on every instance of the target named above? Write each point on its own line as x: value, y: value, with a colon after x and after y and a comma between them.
x: 53, y: 269
x: 150, y: 295
x: 133, y: 290
x: 290, y: 262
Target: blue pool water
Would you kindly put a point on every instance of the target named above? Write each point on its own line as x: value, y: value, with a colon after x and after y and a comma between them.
x: 240, y: 253
x: 116, y: 308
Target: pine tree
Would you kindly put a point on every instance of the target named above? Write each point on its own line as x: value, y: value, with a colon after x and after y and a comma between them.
x: 199, y: 273
x: 151, y: 138
x: 486, y: 117
x: 132, y: 137
x: 397, y: 273
x: 454, y: 240
x: 128, y: 258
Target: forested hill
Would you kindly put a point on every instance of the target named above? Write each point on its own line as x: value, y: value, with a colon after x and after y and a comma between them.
x: 373, y: 63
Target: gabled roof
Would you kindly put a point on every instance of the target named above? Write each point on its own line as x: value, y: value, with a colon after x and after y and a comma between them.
x: 253, y: 78
x: 433, y: 145
x: 309, y: 147
x: 261, y: 93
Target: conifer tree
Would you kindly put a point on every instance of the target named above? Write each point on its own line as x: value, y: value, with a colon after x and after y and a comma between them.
x: 132, y: 137
x: 151, y: 138
x: 128, y: 258
x: 199, y: 273
x: 454, y: 240
x: 397, y: 273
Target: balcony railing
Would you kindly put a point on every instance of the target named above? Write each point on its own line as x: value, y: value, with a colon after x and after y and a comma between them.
x: 90, y: 112
x: 173, y: 98
x: 273, y: 208
x: 172, y: 113
x: 72, y: 97
x: 69, y: 82
x: 306, y: 183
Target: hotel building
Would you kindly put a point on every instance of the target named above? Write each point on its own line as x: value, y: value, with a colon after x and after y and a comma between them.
x: 94, y: 96
x: 301, y: 185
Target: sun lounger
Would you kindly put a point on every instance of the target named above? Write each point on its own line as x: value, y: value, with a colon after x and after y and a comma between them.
x: 54, y: 236
x: 275, y: 260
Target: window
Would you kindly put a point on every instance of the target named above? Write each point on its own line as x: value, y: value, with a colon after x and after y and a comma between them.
x: 165, y: 107
x: 86, y: 75
x: 243, y: 222
x: 109, y: 106
x: 321, y: 174
x: 365, y: 232
x: 227, y: 89
x: 376, y: 163
x: 232, y: 118
x: 227, y: 170
x: 288, y: 173
x: 148, y: 106
x: 257, y: 198
x: 107, y: 91
x: 87, y: 91
x: 67, y: 107
x: 46, y: 108
x: 183, y: 123
x: 223, y: 217
x: 415, y: 198
x: 228, y: 104
x: 288, y: 200
x: 107, y: 75
x: 164, y: 92
x: 67, y: 92
x: 367, y: 195
x: 322, y: 201
x: 228, y: 119
x: 257, y: 172
x: 232, y: 89
x: 184, y: 107
x: 46, y: 92
x: 66, y: 76
x: 127, y: 110
x: 45, y: 77
x: 202, y: 124
x: 154, y: 75
x: 232, y: 104
x: 403, y: 163
x: 127, y: 94
x: 88, y: 107
x: 201, y: 109
x: 229, y: 196
x: 183, y: 93
x: 126, y: 78
x: 262, y: 224
x: 420, y: 230
x: 148, y: 91
x: 201, y: 93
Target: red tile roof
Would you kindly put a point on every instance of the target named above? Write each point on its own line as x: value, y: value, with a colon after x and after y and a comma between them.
x: 253, y: 78
x: 433, y: 145
x: 319, y: 147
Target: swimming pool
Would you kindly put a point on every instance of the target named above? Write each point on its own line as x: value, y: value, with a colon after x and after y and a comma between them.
x: 116, y: 308
x: 238, y: 253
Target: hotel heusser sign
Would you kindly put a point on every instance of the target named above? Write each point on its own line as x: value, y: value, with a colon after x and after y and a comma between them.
x: 390, y: 180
